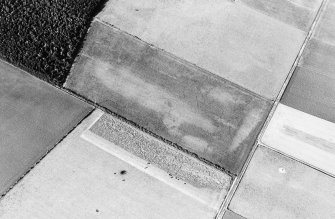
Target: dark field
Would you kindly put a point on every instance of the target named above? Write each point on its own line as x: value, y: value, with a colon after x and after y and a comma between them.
x: 44, y: 36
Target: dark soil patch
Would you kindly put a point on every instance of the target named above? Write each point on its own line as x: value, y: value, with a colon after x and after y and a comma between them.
x: 44, y: 36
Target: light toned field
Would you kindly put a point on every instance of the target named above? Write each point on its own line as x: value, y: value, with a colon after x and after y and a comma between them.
x: 86, y: 176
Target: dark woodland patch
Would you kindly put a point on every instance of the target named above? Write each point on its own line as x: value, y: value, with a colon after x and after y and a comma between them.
x: 44, y: 36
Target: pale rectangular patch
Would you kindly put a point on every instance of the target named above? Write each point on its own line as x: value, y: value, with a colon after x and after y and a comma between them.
x: 302, y: 136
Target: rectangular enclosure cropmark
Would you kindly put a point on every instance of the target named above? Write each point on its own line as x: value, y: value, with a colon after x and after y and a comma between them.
x: 184, y: 104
